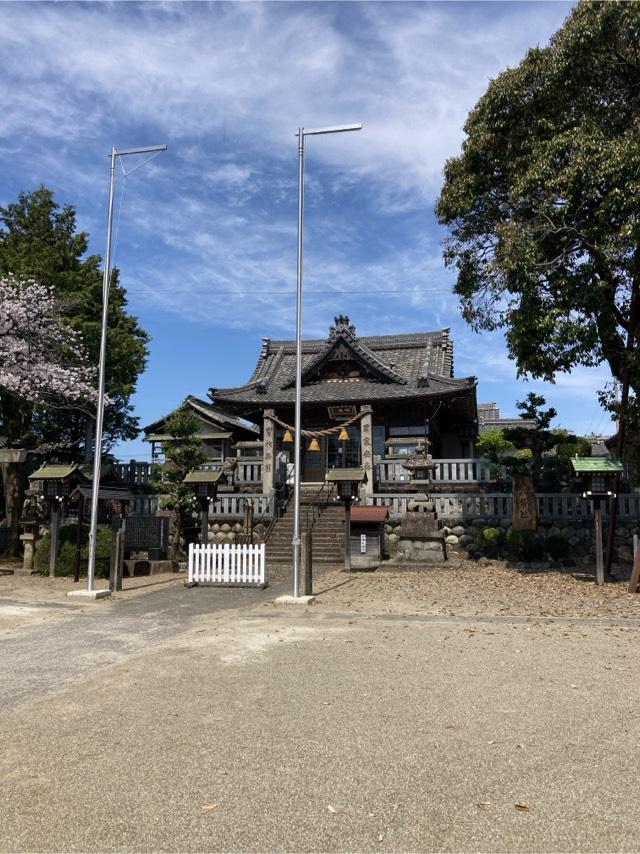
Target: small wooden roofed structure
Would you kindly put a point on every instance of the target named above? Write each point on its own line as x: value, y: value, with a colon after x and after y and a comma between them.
x: 353, y: 475
x: 217, y: 428
x: 105, y: 493
x: 366, y: 535
x: 596, y: 465
x: 369, y: 513
x: 60, y: 477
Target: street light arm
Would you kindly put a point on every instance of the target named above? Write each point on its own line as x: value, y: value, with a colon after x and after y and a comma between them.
x: 334, y: 129
x: 144, y: 150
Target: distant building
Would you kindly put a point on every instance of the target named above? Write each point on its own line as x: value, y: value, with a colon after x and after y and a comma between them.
x: 489, y: 419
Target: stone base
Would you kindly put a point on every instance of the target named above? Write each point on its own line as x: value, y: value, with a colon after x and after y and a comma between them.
x: 430, y: 550
x: 91, y: 595
x: 294, y: 600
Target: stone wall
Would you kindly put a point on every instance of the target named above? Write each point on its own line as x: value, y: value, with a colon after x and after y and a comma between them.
x: 227, y: 532
x: 460, y: 535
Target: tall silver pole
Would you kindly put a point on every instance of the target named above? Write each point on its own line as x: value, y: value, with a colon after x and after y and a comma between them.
x: 97, y: 453
x: 298, y: 423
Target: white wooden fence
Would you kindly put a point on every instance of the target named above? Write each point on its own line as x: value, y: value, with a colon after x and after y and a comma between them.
x: 228, y: 564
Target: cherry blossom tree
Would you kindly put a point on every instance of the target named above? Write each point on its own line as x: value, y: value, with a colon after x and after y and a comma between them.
x: 42, y: 364
x: 41, y: 358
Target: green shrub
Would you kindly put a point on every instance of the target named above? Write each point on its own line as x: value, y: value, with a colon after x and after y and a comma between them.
x: 490, y: 541
x: 524, y: 545
x: 557, y: 547
x: 66, y: 563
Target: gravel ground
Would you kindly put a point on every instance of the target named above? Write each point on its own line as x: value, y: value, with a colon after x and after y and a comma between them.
x: 265, y: 730
x: 34, y: 599
x: 439, y: 709
x: 471, y: 588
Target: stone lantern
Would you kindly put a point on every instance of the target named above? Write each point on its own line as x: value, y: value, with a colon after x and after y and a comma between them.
x: 420, y: 465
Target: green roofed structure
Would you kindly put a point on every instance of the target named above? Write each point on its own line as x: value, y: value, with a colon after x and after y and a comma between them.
x: 596, y: 465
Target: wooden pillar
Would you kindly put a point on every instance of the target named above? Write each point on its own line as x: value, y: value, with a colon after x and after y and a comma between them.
x: 597, y: 516
x: 117, y: 559
x: 76, y: 573
x: 268, y: 452
x: 55, y: 536
x: 366, y: 449
x: 204, y: 521
x: 635, y: 575
x: 347, y: 535
x: 307, y: 562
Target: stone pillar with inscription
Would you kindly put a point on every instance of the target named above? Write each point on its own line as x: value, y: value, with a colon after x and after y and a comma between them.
x: 366, y: 448
x: 268, y: 452
x: 525, y: 503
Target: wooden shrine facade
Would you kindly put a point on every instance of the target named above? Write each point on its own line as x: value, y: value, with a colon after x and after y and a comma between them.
x: 366, y: 401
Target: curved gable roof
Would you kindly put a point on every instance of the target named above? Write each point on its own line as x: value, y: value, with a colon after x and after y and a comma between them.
x: 400, y: 366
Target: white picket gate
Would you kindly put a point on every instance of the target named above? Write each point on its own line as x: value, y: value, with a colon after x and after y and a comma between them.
x: 228, y: 564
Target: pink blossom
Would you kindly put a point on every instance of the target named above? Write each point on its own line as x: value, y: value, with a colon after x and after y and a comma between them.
x: 40, y: 356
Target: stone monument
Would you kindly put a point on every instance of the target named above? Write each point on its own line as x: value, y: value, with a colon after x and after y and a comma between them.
x: 421, y: 538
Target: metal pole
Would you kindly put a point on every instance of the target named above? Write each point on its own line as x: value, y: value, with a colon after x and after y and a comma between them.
x: 297, y: 421
x: 97, y: 453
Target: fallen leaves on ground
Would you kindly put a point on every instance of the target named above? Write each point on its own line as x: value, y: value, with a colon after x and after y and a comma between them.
x: 468, y: 588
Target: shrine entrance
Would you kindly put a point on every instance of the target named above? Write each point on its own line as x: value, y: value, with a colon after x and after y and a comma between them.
x: 314, y: 463
x: 332, y: 454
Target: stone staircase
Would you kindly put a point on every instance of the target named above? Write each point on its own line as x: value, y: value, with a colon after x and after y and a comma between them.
x: 328, y: 533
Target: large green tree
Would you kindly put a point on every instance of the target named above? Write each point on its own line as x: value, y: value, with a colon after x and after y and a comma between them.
x: 39, y: 240
x: 543, y: 203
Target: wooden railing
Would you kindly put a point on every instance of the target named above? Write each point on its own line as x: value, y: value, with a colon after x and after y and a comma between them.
x: 450, y: 471
x: 477, y: 505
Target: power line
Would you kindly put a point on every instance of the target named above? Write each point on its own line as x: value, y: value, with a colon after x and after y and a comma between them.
x: 370, y: 291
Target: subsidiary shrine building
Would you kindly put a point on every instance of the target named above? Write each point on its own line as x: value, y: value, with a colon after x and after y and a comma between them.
x: 366, y: 402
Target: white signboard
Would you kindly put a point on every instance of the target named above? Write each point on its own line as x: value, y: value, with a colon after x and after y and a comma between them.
x: 363, y: 544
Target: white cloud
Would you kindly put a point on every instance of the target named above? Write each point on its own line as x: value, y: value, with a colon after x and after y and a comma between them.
x: 410, y: 72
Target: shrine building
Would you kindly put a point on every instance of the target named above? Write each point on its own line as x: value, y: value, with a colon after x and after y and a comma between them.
x: 366, y: 402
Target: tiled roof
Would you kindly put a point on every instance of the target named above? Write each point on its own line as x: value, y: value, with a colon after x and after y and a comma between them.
x: 210, y: 414
x: 414, y: 365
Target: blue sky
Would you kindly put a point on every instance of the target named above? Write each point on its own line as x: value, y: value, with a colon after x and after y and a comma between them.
x: 206, y: 233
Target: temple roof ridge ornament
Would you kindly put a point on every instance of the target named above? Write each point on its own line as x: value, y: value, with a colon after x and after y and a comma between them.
x: 341, y: 326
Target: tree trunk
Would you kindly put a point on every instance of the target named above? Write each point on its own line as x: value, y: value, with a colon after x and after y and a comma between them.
x: 14, y: 481
x: 178, y: 527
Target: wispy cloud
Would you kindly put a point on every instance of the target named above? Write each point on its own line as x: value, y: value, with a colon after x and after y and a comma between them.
x: 207, y: 231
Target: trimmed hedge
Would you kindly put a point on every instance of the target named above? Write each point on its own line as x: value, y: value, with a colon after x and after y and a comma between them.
x: 65, y: 565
